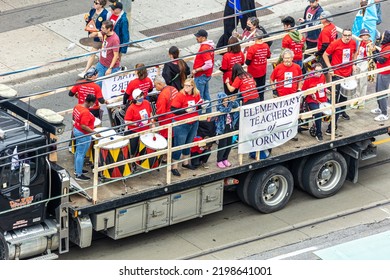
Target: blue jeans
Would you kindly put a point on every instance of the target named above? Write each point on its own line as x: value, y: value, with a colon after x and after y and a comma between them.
x: 299, y: 62
x: 183, y: 134
x: 202, y: 83
x: 318, y: 121
x: 102, y: 71
x: 82, y: 145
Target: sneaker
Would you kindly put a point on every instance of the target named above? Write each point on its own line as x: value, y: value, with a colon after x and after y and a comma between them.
x: 226, y: 163
x: 355, y: 105
x: 221, y: 165
x: 376, y: 111
x: 81, y: 75
x: 381, y: 118
x: 83, y: 172
x: 345, y: 116
x: 319, y: 138
x: 328, y: 132
x: 82, y: 177
x: 205, y: 165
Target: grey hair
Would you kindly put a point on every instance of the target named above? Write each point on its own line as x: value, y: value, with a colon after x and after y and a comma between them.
x: 287, y: 51
x: 159, y: 79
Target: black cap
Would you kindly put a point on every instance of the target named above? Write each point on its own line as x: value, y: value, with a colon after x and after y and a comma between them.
x: 90, y: 73
x: 116, y: 5
x: 201, y: 33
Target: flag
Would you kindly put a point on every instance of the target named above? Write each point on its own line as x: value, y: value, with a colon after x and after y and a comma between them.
x: 236, y: 6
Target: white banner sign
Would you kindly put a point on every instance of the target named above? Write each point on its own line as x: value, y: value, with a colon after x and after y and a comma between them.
x: 116, y: 86
x: 268, y: 124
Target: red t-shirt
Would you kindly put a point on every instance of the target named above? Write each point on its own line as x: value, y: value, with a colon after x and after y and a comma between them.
x: 362, y: 50
x: 182, y: 101
x: 247, y: 87
x: 106, y: 56
x: 139, y: 113
x: 327, y: 35
x: 146, y: 85
x: 163, y: 106
x: 114, y: 18
x: 296, y: 47
x: 83, y: 90
x: 285, y: 77
x: 82, y: 116
x: 228, y: 61
x: 385, y: 53
x: 258, y: 54
x: 201, y: 58
x: 311, y: 82
x: 342, y: 53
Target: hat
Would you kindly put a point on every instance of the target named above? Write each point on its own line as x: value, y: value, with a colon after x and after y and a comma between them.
x: 201, y: 33
x: 364, y: 31
x: 327, y: 15
x: 116, y: 5
x: 90, y: 73
x: 312, y: 1
x: 137, y: 92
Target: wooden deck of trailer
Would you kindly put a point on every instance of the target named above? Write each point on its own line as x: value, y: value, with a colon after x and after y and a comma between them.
x: 147, y: 184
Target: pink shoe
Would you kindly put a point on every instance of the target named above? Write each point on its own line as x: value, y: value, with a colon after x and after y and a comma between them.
x: 227, y: 163
x: 220, y: 164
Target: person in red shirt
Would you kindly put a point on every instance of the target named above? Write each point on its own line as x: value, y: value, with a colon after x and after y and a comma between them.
x: 234, y: 55
x: 164, y: 101
x: 203, y: 66
x: 327, y: 35
x: 142, y: 82
x: 383, y: 78
x: 256, y: 59
x: 287, y: 76
x: 341, y: 66
x: 87, y: 86
x: 184, y: 106
x: 246, y: 85
x: 314, y: 79
x: 294, y: 40
x: 83, y: 125
x: 138, y: 117
x: 365, y: 47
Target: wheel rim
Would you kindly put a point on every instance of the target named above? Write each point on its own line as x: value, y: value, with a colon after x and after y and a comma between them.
x: 275, y: 190
x: 329, y: 175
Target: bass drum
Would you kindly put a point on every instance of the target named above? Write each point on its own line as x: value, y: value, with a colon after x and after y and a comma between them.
x: 150, y: 143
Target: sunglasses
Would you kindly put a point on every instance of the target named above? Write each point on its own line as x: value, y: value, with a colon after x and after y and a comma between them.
x: 347, y: 35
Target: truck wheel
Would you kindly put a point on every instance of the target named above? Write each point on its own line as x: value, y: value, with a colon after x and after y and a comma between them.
x: 324, y: 174
x: 242, y: 190
x: 271, y: 189
x: 4, y: 254
x: 297, y: 171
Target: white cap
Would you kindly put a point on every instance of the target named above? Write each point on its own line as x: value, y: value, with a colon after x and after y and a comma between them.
x: 137, y: 92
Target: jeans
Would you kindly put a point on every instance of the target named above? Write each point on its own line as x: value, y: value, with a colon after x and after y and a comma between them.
x: 82, y: 145
x: 339, y: 98
x: 224, y: 146
x: 202, y: 83
x: 382, y: 83
x: 102, y: 71
x: 317, y: 121
x: 299, y: 62
x: 184, y: 134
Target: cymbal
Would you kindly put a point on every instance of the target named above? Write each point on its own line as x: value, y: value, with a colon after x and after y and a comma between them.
x: 90, y: 42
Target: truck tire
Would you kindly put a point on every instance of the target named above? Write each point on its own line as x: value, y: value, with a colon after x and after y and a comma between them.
x: 271, y: 189
x: 324, y: 174
x: 242, y: 189
x: 297, y: 171
x: 4, y: 254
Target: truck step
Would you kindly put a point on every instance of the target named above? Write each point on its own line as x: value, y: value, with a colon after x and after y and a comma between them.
x: 50, y: 256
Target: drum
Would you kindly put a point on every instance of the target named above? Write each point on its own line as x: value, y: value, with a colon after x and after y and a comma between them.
x: 112, y: 153
x: 104, y: 132
x: 348, y: 88
x: 309, y: 62
x: 150, y: 143
x: 98, y: 122
x: 327, y: 113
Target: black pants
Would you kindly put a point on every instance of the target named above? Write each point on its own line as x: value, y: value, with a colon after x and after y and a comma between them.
x: 134, y: 142
x: 230, y: 23
x: 224, y: 146
x: 197, y: 159
x: 310, y: 45
x: 260, y: 84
